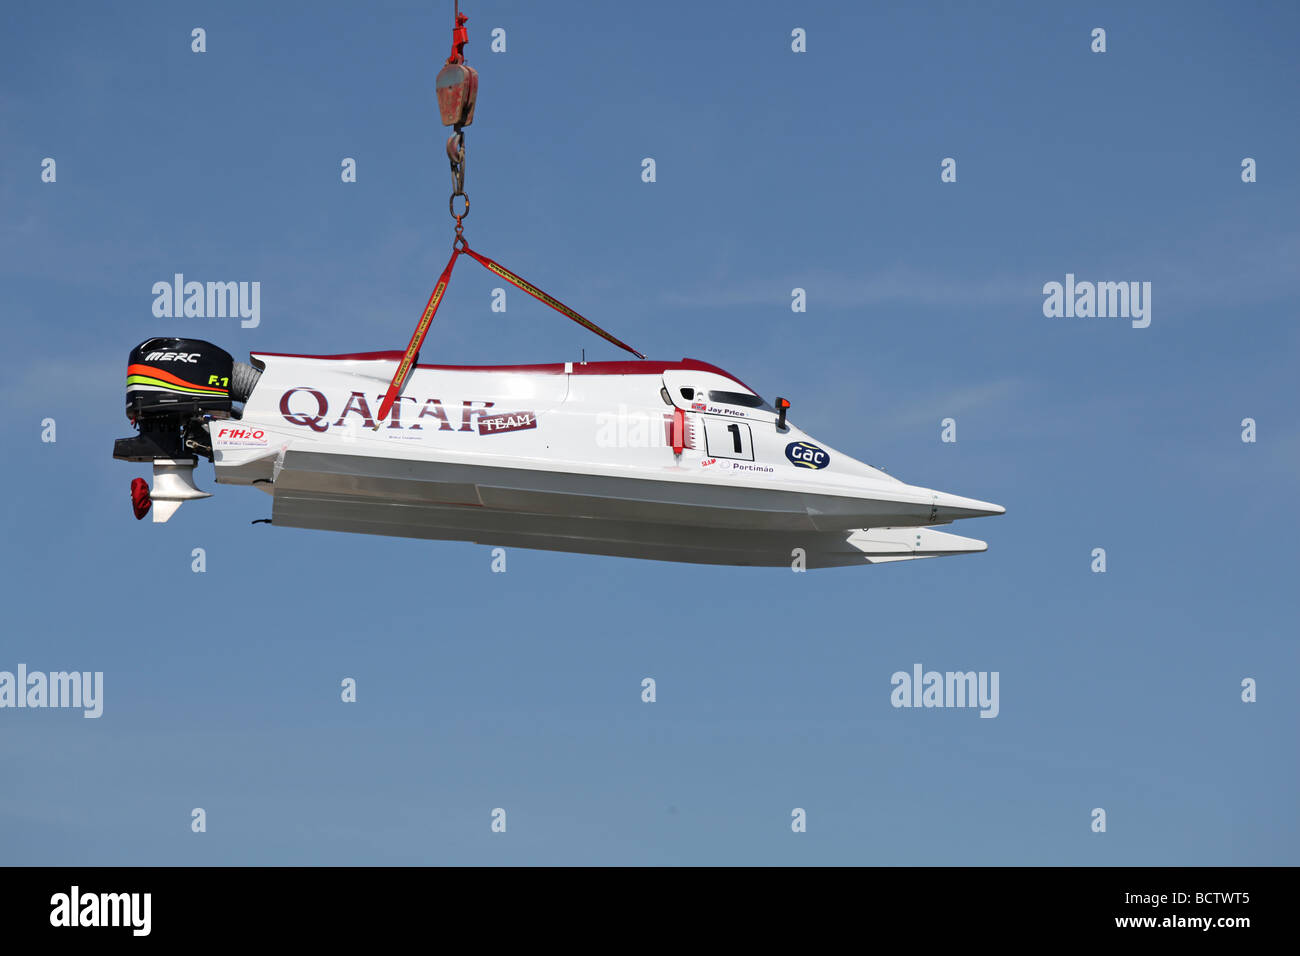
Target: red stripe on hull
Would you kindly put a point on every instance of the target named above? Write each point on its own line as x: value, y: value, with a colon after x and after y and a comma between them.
x: 646, y: 367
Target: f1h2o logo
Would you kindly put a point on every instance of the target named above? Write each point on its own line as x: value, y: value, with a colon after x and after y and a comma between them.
x: 804, y: 454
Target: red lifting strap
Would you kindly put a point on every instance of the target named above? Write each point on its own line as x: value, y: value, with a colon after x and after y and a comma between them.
x: 431, y: 309
x: 417, y: 339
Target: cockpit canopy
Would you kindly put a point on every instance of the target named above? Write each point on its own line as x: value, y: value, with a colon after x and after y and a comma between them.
x: 704, y: 391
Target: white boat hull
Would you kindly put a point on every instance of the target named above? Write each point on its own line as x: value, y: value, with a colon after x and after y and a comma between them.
x: 657, y: 520
x: 672, y: 461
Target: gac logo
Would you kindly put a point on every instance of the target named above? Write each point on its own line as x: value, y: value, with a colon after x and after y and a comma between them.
x: 807, y: 455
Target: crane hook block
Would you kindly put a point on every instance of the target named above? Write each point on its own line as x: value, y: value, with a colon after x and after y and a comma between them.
x: 457, y: 91
x: 457, y: 83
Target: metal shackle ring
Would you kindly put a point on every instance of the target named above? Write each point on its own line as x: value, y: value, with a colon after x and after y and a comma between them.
x: 451, y: 205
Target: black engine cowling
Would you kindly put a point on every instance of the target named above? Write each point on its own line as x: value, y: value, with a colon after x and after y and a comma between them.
x: 172, y: 386
x: 167, y: 376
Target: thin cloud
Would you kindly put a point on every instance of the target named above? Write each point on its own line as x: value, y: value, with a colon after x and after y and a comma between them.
x: 897, y: 287
x: 960, y: 401
x: 1228, y: 266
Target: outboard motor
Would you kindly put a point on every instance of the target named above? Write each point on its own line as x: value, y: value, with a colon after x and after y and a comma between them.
x: 173, y: 388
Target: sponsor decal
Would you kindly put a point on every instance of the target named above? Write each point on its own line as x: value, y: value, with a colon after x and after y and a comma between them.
x: 503, y: 422
x: 719, y: 465
x: 804, y: 454
x: 698, y: 406
x: 665, y: 439
x: 149, y: 378
x: 189, y: 357
x: 310, y: 408
x: 241, y: 436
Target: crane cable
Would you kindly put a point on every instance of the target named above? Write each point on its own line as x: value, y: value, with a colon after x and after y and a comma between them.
x: 457, y: 91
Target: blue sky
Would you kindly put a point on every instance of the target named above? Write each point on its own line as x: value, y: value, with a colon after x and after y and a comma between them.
x: 775, y: 170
